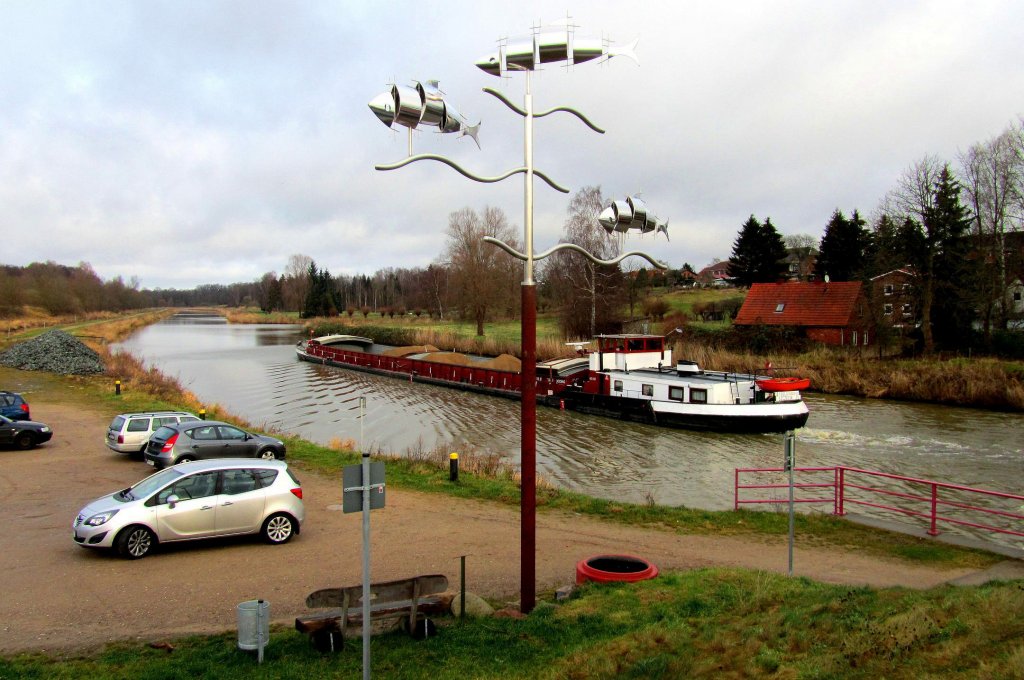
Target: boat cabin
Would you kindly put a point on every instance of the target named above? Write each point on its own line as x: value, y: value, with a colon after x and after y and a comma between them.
x: 626, y: 352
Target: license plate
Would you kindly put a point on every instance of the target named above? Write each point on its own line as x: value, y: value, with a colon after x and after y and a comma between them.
x: 149, y: 462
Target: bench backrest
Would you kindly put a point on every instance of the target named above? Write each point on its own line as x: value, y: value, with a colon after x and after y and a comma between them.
x: 381, y: 594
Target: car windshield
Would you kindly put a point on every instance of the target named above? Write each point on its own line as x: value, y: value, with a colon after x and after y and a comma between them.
x: 116, y: 423
x: 154, y: 482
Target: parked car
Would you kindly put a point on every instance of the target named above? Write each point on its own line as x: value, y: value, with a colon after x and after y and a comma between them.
x: 130, y: 432
x: 23, y: 434
x: 14, y: 406
x: 203, y: 499
x: 173, y: 444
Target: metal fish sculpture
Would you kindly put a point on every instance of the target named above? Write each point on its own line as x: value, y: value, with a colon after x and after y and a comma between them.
x: 421, y: 104
x: 621, y: 216
x: 551, y: 44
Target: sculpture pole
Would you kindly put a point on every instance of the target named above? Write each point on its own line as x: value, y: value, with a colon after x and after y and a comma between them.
x: 528, y: 414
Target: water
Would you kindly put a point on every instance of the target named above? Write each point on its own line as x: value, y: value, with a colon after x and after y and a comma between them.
x: 252, y: 370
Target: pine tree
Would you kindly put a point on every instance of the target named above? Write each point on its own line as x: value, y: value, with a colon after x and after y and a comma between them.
x: 843, y: 248
x: 745, y: 253
x: 954, y: 273
x: 772, y: 266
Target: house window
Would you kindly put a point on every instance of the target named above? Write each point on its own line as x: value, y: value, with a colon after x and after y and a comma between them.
x: 698, y: 396
x: 675, y: 393
x: 887, y: 289
x: 647, y: 390
x: 865, y: 338
x: 1016, y: 296
x: 779, y: 307
x: 906, y: 289
x: 887, y: 309
x: 855, y: 338
x: 907, y: 309
x: 618, y: 386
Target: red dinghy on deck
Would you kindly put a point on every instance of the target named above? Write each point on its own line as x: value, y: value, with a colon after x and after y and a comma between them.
x: 783, y: 384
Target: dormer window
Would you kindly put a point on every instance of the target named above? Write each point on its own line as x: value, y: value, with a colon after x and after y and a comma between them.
x: 779, y: 307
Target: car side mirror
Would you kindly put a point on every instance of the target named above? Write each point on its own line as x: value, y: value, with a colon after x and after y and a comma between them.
x: 171, y: 500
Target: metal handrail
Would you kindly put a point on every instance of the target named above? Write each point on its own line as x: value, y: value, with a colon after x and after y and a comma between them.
x: 840, y: 486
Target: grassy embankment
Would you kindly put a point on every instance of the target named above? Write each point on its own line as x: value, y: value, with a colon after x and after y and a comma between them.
x: 707, y: 623
x: 710, y: 623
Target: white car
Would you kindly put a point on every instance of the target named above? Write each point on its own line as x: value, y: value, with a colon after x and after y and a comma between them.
x: 190, y: 501
x: 130, y: 432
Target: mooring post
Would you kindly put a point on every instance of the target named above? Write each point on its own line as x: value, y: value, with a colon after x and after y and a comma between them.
x: 453, y: 467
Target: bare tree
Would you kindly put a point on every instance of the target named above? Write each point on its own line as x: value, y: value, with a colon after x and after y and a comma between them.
x: 479, y: 272
x: 590, y: 296
x: 295, y: 285
x: 994, y: 187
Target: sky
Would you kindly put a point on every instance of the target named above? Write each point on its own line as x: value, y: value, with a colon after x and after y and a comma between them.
x: 184, y: 143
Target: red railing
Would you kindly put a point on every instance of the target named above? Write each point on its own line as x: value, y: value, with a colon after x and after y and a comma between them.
x: 928, y: 499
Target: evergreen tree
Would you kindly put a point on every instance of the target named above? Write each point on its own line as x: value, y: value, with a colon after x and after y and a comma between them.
x: 843, y: 248
x: 772, y: 265
x: 954, y: 272
x: 746, y: 252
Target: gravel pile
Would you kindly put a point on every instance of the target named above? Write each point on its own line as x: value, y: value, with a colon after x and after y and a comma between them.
x: 54, y: 351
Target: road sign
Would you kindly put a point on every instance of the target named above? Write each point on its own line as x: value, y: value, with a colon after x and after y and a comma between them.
x: 352, y: 484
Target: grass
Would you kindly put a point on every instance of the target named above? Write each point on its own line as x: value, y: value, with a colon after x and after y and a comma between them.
x: 705, y: 623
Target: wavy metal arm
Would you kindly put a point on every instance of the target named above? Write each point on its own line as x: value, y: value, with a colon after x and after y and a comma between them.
x: 466, y: 173
x: 572, y: 246
x: 522, y: 112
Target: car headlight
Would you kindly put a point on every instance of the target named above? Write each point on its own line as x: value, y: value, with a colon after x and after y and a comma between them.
x: 44, y: 429
x: 101, y: 518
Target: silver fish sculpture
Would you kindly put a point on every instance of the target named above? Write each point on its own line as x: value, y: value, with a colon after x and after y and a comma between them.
x: 621, y: 216
x: 421, y: 104
x: 548, y: 45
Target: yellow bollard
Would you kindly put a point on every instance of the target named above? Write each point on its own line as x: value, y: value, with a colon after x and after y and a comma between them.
x: 117, y: 387
x: 202, y: 414
x: 453, y: 467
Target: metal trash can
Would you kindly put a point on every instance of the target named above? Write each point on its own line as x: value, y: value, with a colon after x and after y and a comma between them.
x: 254, y: 625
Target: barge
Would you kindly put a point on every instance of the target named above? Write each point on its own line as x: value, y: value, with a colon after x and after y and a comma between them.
x: 628, y: 376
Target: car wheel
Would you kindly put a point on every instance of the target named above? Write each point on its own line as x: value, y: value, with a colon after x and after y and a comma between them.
x: 184, y: 459
x: 267, y: 454
x: 134, y: 542
x: 25, y: 440
x: 278, y: 528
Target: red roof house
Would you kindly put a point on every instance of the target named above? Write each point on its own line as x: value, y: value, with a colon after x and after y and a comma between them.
x: 834, y: 313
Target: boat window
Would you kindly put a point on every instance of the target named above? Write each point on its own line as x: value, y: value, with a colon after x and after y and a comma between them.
x: 636, y: 345
x: 647, y: 390
x: 698, y: 396
x: 617, y: 386
x: 675, y: 393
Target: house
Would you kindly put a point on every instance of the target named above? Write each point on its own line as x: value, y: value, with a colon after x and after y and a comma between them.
x: 716, y: 275
x: 894, y: 296
x: 800, y: 263
x: 833, y: 313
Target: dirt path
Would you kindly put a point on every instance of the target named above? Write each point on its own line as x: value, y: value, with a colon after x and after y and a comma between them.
x: 58, y: 595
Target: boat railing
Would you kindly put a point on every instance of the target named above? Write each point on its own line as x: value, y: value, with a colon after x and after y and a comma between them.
x: 937, y: 503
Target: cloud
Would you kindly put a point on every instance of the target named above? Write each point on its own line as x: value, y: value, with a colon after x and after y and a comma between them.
x: 205, y: 143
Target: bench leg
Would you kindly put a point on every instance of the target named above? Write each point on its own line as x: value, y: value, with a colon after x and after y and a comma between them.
x: 327, y: 641
x: 422, y: 629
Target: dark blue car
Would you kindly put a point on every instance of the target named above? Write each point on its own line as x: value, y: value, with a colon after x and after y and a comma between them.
x: 13, y: 406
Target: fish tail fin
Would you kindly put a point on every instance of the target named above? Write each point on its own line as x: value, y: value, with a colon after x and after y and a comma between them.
x: 626, y: 51
x: 663, y: 228
x: 473, y: 131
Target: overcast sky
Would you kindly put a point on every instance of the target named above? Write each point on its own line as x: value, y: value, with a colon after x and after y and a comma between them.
x: 191, y: 142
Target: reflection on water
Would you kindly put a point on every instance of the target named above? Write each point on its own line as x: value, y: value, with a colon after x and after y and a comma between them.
x: 252, y: 370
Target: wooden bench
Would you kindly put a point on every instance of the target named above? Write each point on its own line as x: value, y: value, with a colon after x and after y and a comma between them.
x: 410, y: 600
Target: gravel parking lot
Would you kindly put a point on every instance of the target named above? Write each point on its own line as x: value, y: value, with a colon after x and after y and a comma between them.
x: 59, y: 596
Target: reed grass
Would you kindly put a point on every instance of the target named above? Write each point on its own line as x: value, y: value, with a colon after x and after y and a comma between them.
x: 979, y: 382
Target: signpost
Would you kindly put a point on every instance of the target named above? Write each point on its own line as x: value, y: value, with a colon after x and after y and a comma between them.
x: 363, y: 490
x: 789, y: 444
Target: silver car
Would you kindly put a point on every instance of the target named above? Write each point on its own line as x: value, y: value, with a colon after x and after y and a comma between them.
x: 202, y: 499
